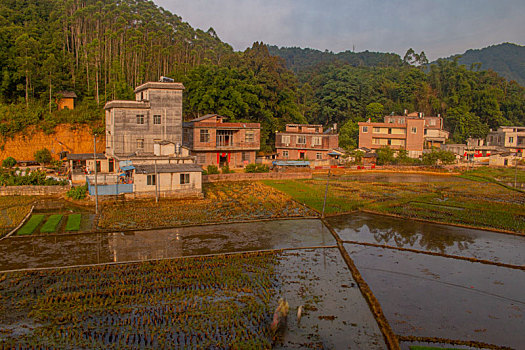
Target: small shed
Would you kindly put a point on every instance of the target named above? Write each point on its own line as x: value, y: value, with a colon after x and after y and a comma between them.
x: 168, y: 179
x: 369, y: 158
x: 66, y: 100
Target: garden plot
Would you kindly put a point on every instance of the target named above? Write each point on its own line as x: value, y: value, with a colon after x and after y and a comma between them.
x: 431, y: 296
x: 44, y: 223
x: 13, y: 209
x: 207, y: 302
x: 223, y: 202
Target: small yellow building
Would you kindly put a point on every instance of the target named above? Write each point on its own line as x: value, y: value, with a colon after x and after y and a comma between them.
x: 66, y: 99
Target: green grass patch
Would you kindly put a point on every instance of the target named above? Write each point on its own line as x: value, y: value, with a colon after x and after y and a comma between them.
x: 495, y: 174
x: 31, y: 225
x: 73, y: 222
x: 50, y: 226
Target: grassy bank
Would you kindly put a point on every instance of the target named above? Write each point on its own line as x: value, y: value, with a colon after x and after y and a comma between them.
x: 466, y: 203
x: 13, y: 209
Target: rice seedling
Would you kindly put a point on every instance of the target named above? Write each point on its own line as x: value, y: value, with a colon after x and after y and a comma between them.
x: 73, y: 222
x: 31, y: 225
x: 50, y: 226
x: 212, y: 302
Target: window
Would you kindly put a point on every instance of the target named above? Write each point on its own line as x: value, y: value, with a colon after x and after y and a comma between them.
x: 246, y: 156
x: 249, y: 136
x: 414, y: 130
x: 140, y: 143
x: 365, y: 129
x: 157, y: 119
x: 140, y: 119
x: 301, y: 139
x: 389, y: 142
x: 511, y: 139
x: 98, y: 166
x: 317, y: 141
x: 377, y: 130
x: 201, y: 158
x: 205, y: 135
x: 151, y: 180
x: 285, y: 139
x: 285, y: 154
x: 425, y: 131
x: 432, y: 122
x: 319, y: 156
x: 184, y: 179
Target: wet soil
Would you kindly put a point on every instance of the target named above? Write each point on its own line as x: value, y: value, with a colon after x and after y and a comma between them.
x: 401, y: 178
x: 432, y: 296
x: 335, y: 314
x: 82, y: 249
x: 404, y: 233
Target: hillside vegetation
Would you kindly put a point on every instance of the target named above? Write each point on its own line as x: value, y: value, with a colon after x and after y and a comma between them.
x: 102, y: 49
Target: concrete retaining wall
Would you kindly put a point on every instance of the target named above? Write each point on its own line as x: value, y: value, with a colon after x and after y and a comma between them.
x: 33, y: 190
x: 255, y: 176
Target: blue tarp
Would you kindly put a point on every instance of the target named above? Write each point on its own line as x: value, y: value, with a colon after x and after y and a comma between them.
x: 291, y: 163
x: 127, y: 167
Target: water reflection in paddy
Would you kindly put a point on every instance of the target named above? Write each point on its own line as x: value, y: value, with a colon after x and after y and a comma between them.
x: 378, y: 229
x: 432, y: 296
x: 67, y: 250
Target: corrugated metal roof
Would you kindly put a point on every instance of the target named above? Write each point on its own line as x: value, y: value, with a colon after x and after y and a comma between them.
x: 167, y: 168
x: 291, y: 163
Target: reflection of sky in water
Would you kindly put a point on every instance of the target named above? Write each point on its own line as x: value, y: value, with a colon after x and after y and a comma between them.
x: 369, y: 228
x: 31, y: 252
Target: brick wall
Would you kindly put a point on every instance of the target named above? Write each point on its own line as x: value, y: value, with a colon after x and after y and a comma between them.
x: 255, y: 176
x: 33, y: 190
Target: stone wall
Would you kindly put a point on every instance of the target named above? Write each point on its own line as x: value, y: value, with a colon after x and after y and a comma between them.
x: 255, y: 176
x: 33, y: 190
x: 67, y: 137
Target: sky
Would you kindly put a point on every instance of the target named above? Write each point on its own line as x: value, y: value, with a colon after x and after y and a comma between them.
x: 439, y: 27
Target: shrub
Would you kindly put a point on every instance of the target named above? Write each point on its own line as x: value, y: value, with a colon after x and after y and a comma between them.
x: 385, y: 155
x: 43, y: 156
x: 77, y: 192
x: 212, y: 169
x: 226, y: 169
x: 9, y: 162
x: 254, y: 168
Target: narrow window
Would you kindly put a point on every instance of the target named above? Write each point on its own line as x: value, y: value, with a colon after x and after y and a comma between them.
x: 301, y: 139
x: 140, y: 119
x: 319, y: 156
x: 285, y: 154
x: 249, y: 136
x: 246, y: 156
x: 184, y: 179
x: 157, y: 119
x: 365, y: 129
x: 140, y: 143
x: 414, y: 130
x: 317, y: 141
x: 151, y: 180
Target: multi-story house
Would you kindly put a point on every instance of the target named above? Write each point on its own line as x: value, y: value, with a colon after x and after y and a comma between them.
x: 304, y: 141
x: 413, y: 133
x: 510, y: 137
x: 215, y: 142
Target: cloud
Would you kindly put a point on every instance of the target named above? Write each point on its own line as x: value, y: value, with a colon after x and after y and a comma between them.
x: 440, y: 28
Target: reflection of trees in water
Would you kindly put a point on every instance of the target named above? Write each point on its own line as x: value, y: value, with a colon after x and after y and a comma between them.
x: 406, y: 233
x: 410, y: 234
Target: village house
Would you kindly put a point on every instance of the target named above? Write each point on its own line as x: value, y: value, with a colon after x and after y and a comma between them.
x: 215, y: 142
x: 412, y: 132
x: 306, y: 142
x: 144, y: 152
x: 512, y: 138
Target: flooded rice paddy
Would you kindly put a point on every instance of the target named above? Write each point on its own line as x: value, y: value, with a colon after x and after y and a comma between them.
x: 421, y: 295
x: 446, y: 239
x: 401, y: 178
x: 85, y: 249
x: 432, y: 296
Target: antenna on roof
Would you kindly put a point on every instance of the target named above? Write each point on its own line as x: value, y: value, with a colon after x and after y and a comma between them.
x: 166, y: 80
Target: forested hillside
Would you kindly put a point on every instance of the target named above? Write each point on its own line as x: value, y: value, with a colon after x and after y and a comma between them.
x: 508, y: 60
x: 102, y: 49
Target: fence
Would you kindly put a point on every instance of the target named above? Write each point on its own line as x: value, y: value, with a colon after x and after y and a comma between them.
x: 107, y: 189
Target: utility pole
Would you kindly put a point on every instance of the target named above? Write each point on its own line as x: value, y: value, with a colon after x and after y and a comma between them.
x: 326, y: 192
x: 515, y: 169
x: 95, y: 159
x: 156, y: 184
